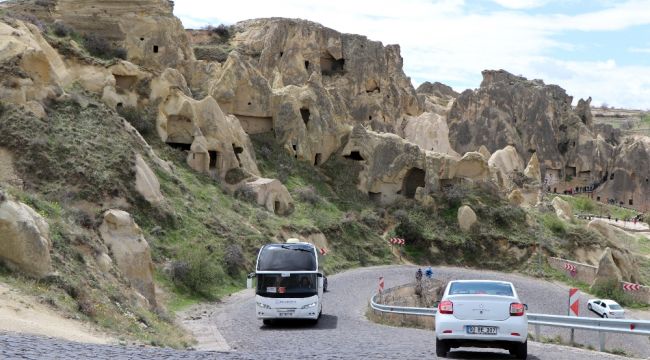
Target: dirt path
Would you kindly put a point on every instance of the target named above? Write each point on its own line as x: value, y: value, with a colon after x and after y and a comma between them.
x: 24, y: 314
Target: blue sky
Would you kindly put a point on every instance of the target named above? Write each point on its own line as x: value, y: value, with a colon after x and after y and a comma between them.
x: 597, y: 48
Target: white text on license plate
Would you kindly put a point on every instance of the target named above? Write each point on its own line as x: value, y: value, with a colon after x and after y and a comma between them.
x: 481, y: 330
x: 285, y: 314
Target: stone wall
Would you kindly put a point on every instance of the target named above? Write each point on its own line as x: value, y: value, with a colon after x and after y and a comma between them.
x: 584, y: 272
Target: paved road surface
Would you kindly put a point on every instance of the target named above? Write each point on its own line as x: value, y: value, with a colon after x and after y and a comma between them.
x: 342, y: 333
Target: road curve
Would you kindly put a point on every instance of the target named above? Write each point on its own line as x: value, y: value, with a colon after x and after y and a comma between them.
x: 342, y: 333
x: 345, y: 333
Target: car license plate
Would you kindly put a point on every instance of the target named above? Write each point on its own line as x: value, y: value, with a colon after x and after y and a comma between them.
x: 481, y: 330
x: 283, y: 314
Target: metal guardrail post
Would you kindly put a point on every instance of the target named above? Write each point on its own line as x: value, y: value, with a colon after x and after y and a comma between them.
x: 538, y: 330
x: 601, y: 340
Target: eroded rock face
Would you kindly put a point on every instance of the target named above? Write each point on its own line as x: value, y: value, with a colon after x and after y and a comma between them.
x: 130, y: 250
x: 147, y: 29
x: 429, y: 131
x: 532, y: 117
x: 505, y: 162
x: 562, y: 209
x: 31, y: 68
x: 628, y: 181
x: 394, y: 167
x: 271, y: 194
x: 24, y: 239
x: 217, y: 143
x: 437, y: 97
x: 307, y: 83
x: 146, y: 182
x: 516, y: 198
x: 532, y: 170
x: 466, y: 218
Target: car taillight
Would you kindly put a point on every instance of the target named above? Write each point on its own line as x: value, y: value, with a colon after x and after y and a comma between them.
x: 517, y: 309
x: 446, y: 307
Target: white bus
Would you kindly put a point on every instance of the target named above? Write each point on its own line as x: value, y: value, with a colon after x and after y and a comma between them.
x: 289, y: 282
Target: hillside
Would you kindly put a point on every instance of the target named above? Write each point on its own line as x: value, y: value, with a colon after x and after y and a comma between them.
x: 142, y: 173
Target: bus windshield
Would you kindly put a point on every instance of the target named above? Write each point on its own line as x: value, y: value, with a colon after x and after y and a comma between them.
x: 291, y: 286
x: 287, y: 257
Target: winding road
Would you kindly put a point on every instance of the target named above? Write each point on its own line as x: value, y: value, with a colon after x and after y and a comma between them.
x: 229, y: 330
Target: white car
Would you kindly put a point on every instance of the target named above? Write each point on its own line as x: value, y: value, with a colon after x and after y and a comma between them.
x: 480, y: 313
x: 606, y: 308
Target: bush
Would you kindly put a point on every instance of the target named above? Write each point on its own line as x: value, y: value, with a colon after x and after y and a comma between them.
x: 100, y: 47
x: 234, y: 259
x: 61, y: 30
x: 199, y: 271
x: 139, y: 119
x: 507, y: 216
x: 454, y: 194
x: 553, y: 223
x: 246, y: 193
x: 371, y: 219
x: 308, y: 194
x: 611, y: 289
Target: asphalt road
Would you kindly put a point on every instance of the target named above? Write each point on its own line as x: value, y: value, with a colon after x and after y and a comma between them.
x: 343, y: 332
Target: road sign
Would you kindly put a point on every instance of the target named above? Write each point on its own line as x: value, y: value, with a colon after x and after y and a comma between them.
x: 397, y: 241
x: 574, y: 302
x: 631, y: 287
x: 570, y: 267
x: 381, y: 284
x: 323, y: 251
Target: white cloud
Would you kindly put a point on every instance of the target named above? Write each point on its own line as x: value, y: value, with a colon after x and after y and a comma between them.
x: 447, y: 41
x: 521, y: 4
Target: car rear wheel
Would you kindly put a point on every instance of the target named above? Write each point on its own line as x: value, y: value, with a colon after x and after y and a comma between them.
x: 520, y: 350
x: 605, y: 316
x: 589, y: 307
x: 442, y: 348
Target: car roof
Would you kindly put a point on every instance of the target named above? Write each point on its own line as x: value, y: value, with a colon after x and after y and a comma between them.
x: 485, y: 281
x: 609, y: 302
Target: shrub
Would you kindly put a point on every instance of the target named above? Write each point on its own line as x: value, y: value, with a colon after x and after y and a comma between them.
x: 507, y: 216
x: 553, y: 223
x: 139, y: 119
x: 234, y: 259
x: 246, y: 193
x: 199, y: 271
x: 308, y: 194
x: 100, y: 47
x: 454, y: 194
x: 611, y: 289
x: 371, y: 219
x: 61, y: 30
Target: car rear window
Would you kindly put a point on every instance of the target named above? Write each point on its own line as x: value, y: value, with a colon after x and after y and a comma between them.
x: 615, y: 307
x: 489, y: 288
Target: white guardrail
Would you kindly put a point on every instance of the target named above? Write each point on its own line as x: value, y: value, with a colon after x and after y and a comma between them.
x: 602, y: 326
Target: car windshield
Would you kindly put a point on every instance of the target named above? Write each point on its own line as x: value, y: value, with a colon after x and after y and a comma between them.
x: 489, y: 288
x: 615, y: 307
x: 287, y: 286
x: 287, y: 257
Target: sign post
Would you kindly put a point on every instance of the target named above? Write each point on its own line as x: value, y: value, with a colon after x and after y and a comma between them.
x: 574, y: 308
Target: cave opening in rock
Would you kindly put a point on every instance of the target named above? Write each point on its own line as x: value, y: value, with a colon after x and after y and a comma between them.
x: 238, y: 150
x: 180, y: 146
x: 305, y: 114
x: 318, y: 159
x: 215, y: 160
x: 630, y: 202
x: 570, y: 171
x: 281, y: 53
x: 597, y: 198
x: 155, y: 49
x: 414, y: 179
x: 306, y: 65
x: 355, y: 155
x: 276, y: 207
x: 374, y: 196
x: 331, y: 66
x: 611, y: 177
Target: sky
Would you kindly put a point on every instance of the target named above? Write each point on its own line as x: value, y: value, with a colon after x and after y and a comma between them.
x: 597, y: 48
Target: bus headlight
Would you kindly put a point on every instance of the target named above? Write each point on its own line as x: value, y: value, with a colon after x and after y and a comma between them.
x: 309, y: 305
x: 262, y: 305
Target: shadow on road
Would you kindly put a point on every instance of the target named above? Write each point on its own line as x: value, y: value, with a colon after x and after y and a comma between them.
x: 326, y: 322
x: 483, y: 355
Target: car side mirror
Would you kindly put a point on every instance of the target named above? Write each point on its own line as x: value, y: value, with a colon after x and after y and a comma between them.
x: 436, y: 304
x: 250, y: 275
x: 526, y: 307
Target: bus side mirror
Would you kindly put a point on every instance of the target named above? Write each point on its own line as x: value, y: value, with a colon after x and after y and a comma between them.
x: 249, y: 280
x: 320, y: 275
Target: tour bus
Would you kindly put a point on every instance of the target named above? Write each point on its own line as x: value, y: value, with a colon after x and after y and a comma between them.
x: 289, y: 282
